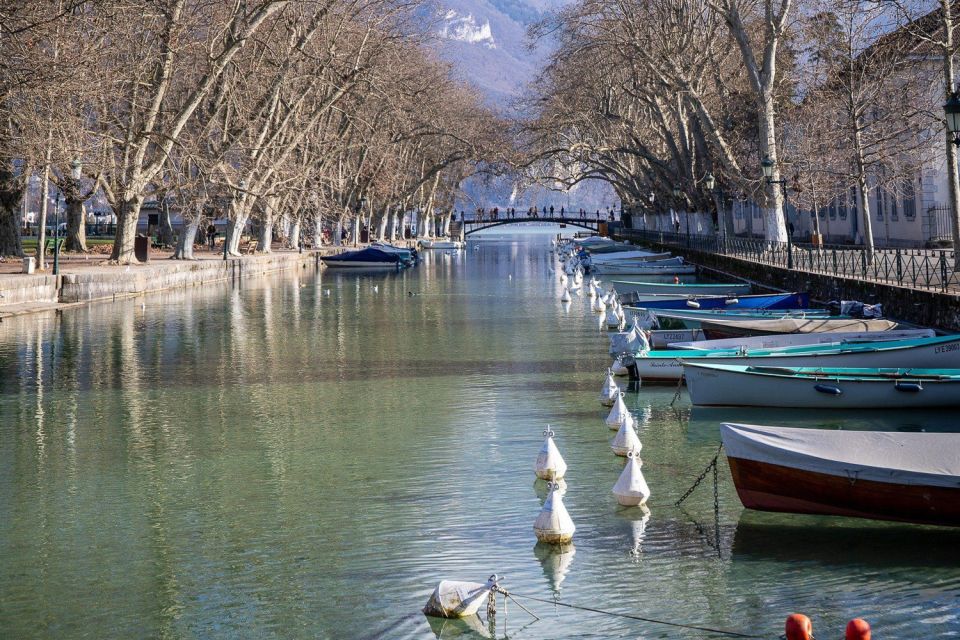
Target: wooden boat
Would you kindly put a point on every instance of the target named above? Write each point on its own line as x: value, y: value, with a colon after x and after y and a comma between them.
x: 764, y: 301
x: 821, y: 388
x: 900, y: 476
x: 941, y: 352
x: 625, y: 256
x: 716, y: 328
x: 796, y: 339
x: 685, y: 290
x: 368, y: 258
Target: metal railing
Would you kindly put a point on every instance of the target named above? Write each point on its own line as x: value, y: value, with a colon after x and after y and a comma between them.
x: 914, y: 268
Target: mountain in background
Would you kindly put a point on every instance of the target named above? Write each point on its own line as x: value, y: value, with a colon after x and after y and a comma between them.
x: 486, y: 41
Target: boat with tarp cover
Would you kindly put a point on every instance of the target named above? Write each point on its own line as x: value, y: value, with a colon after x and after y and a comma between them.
x: 821, y: 387
x: 368, y: 258
x: 899, y: 476
x: 760, y: 301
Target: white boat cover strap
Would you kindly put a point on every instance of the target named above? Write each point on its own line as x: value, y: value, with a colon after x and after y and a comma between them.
x: 916, y: 459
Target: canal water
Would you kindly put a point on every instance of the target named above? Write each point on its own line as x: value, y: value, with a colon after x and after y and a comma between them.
x: 306, y: 456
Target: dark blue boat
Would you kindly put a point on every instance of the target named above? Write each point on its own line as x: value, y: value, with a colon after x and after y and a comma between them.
x: 770, y: 301
x: 369, y: 258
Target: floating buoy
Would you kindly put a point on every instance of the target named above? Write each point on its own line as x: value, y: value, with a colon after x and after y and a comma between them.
x: 565, y: 296
x: 376, y: 288
x: 857, y: 629
x: 554, y: 525
x: 618, y: 368
x: 618, y: 414
x: 631, y: 488
x: 627, y: 420
x: 591, y: 292
x: 798, y: 627
x: 599, y: 306
x: 456, y: 599
x: 550, y: 464
x: 613, y: 320
x: 626, y: 439
x: 326, y: 292
x: 609, y: 392
x: 693, y: 304
x: 563, y: 278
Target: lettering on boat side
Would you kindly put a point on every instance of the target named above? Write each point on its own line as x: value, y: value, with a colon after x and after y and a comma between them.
x: 946, y: 348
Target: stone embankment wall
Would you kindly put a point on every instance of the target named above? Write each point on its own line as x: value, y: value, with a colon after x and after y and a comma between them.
x: 926, y: 308
x: 23, y: 289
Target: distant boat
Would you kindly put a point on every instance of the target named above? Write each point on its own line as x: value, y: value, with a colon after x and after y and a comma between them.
x: 899, y: 476
x: 711, y: 384
x: 368, y: 258
x: 941, y: 352
x: 764, y: 301
x: 440, y: 244
x: 630, y: 286
x: 408, y: 255
x: 716, y: 328
x: 780, y: 340
x: 694, y: 318
x: 633, y: 256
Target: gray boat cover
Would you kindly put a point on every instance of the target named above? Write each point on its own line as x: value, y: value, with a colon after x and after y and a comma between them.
x: 916, y: 459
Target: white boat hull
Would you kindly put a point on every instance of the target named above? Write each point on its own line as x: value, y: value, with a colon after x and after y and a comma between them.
x: 798, y: 339
x: 441, y: 244
x: 721, y: 387
x: 642, y: 269
x: 681, y: 290
x: 941, y: 355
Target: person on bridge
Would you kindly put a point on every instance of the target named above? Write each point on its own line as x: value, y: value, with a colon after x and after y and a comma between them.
x: 496, y: 212
x: 551, y: 211
x: 561, y: 212
x: 598, y: 214
x: 462, y: 217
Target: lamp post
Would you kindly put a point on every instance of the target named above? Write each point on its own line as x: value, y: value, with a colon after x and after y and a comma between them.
x: 767, y: 166
x: 678, y: 194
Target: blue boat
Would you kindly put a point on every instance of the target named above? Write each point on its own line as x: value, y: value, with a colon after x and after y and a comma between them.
x: 771, y: 301
x: 369, y: 258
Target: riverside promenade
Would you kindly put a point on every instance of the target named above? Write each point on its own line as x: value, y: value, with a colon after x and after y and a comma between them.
x: 86, y: 278
x: 914, y: 285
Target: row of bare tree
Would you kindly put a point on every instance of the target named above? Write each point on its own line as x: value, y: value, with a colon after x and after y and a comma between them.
x: 841, y: 96
x: 244, y: 109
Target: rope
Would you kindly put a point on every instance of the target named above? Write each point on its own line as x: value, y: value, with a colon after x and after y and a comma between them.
x: 724, y: 632
x: 676, y: 396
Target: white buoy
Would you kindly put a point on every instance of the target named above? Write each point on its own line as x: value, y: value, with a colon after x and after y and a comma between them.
x: 627, y: 419
x: 591, y: 292
x: 565, y: 296
x: 618, y: 413
x: 457, y: 599
x: 610, y: 391
x: 599, y: 306
x: 563, y: 278
x: 554, y: 525
x: 618, y: 368
x: 631, y: 488
x: 550, y: 464
x: 613, y: 320
x: 626, y: 439
x: 693, y: 304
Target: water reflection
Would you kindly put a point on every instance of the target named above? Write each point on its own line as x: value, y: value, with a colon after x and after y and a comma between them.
x: 555, y: 560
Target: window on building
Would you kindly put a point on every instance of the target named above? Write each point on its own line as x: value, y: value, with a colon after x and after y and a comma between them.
x: 894, y: 206
x: 854, y: 209
x: 833, y: 210
x: 842, y: 206
x: 909, y: 200
x: 878, y: 202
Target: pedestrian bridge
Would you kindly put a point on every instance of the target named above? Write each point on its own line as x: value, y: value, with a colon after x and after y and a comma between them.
x: 473, y: 225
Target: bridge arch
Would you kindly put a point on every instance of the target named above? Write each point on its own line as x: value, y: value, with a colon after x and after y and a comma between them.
x: 472, y: 226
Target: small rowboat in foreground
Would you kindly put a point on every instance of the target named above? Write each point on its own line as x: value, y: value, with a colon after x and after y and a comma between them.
x: 821, y: 388
x: 906, y: 477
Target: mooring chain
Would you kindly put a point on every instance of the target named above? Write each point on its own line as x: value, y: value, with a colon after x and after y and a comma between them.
x: 676, y: 396
x: 701, y: 477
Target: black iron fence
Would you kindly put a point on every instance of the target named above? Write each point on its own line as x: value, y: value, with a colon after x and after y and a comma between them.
x: 931, y: 269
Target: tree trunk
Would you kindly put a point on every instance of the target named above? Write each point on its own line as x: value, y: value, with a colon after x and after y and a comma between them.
x: 946, y: 9
x: 775, y: 215
x: 393, y: 225
x: 188, y: 235
x: 356, y: 230
x: 338, y: 233
x: 127, y: 218
x: 382, y: 231
x: 865, y: 212
x: 293, y: 235
x: 42, y: 223
x: 317, y: 231
x: 237, y: 221
x: 11, y: 195
x: 76, y: 236
x: 265, y: 239
x: 446, y: 224
x: 165, y: 231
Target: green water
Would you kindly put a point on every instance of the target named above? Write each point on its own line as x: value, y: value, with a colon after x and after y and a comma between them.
x: 307, y: 456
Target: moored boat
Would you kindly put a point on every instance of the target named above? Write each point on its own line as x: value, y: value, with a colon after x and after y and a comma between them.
x: 797, y: 339
x: 899, y: 476
x: 440, y: 244
x: 942, y: 352
x: 642, y: 269
x: 694, y: 318
x: 716, y: 328
x: 368, y: 258
x: 630, y: 286
x: 711, y: 384
x: 760, y: 301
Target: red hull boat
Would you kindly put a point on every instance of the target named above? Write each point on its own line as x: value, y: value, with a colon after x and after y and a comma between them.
x: 905, y: 477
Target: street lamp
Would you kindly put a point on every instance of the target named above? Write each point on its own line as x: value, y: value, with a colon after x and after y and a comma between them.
x: 709, y: 182
x: 766, y: 165
x: 952, y: 110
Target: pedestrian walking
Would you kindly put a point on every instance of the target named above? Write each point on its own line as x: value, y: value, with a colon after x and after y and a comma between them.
x: 212, y: 236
